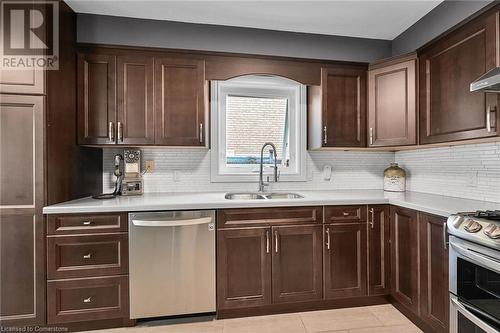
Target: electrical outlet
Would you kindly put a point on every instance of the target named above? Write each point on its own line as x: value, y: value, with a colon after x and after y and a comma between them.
x: 149, y: 166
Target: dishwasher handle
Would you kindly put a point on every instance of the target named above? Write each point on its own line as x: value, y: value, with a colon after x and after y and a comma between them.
x: 171, y: 223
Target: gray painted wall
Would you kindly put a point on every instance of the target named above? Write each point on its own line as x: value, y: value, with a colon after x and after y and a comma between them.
x: 443, y: 17
x: 153, y: 33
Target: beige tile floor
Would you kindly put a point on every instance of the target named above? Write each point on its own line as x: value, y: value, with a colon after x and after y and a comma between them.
x: 370, y: 319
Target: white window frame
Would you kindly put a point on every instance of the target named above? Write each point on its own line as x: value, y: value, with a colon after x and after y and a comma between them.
x: 258, y: 86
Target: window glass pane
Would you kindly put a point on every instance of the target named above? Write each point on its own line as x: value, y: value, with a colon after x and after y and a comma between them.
x: 252, y: 121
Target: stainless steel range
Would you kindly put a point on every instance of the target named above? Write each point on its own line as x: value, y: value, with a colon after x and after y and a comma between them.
x: 474, y: 262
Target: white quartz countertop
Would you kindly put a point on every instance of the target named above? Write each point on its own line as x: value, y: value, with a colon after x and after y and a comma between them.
x: 430, y: 203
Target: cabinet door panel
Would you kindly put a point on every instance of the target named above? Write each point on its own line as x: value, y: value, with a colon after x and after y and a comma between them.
x: 405, y: 264
x: 392, y: 105
x: 344, y: 107
x: 96, y: 98
x: 434, y: 272
x: 22, y: 81
x: 180, y: 102
x: 379, y: 255
x: 22, y: 257
x: 297, y: 263
x: 345, y: 260
x: 243, y: 268
x: 448, y: 110
x: 135, y: 100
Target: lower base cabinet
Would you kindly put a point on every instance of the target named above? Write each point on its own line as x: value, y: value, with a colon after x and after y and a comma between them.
x: 404, y: 257
x: 434, y: 299
x: 269, y: 256
x: 87, y: 299
x: 420, y: 267
x: 379, y: 250
x: 297, y: 263
x: 345, y: 260
x: 243, y: 267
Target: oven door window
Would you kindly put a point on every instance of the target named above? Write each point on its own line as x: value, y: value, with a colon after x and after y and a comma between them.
x: 479, y: 290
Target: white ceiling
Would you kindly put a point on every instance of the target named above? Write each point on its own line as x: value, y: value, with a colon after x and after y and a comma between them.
x: 369, y: 19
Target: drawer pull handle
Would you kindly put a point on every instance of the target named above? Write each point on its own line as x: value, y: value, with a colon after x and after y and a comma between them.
x: 87, y: 256
x: 87, y: 222
x: 345, y: 214
x: 87, y: 300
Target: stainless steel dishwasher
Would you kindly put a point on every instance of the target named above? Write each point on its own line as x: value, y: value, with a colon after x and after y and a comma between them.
x: 172, y: 263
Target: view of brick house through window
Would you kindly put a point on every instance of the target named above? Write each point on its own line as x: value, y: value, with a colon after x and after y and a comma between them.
x: 251, y: 121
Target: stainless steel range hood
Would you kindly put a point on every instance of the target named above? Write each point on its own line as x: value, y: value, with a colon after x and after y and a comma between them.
x: 487, y: 82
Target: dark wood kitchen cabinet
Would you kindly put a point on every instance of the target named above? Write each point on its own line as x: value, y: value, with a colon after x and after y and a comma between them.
x: 135, y: 113
x: 337, y: 109
x: 243, y: 267
x: 268, y: 256
x: 181, y: 102
x: 434, y: 306
x: 379, y: 251
x: 448, y: 110
x: 345, y: 260
x: 22, y: 260
x: 392, y: 103
x: 404, y: 257
x: 96, y: 99
x: 115, y: 99
x: 297, y: 263
x: 87, y: 269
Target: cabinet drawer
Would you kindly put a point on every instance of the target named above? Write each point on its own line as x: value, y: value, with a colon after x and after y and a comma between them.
x: 345, y: 214
x: 234, y: 218
x: 87, y: 299
x: 90, y: 255
x: 84, y: 224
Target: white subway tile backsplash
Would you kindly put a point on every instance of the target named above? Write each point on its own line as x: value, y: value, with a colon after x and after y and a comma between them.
x: 188, y: 170
x: 469, y: 171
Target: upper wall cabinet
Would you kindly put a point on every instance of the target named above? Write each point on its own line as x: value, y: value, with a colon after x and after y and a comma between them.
x: 392, y: 103
x: 116, y: 105
x: 448, y: 110
x: 337, y: 109
x: 96, y: 99
x: 180, y: 102
x: 115, y: 99
x: 135, y: 116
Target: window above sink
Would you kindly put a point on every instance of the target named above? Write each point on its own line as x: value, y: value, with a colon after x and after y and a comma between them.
x: 248, y: 111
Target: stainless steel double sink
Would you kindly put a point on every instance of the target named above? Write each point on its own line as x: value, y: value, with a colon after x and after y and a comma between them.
x: 262, y: 196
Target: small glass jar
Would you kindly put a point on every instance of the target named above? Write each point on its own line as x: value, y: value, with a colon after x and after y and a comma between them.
x: 394, y: 179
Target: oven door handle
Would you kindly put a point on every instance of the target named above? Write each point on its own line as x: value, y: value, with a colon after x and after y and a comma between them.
x: 471, y: 316
x: 476, y: 257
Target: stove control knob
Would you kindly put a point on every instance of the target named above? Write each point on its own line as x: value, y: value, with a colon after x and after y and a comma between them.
x: 492, y: 231
x: 458, y: 221
x: 472, y: 226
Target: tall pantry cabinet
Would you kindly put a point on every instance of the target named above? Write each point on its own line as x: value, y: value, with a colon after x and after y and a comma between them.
x: 39, y: 165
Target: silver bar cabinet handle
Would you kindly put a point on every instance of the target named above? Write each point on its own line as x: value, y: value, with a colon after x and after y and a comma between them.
x: 111, y: 130
x: 371, y: 135
x: 325, y: 137
x: 276, y: 241
x: 87, y: 256
x: 87, y: 222
x: 120, y: 131
x: 445, y: 243
x: 267, y: 241
x: 201, y: 132
x: 328, y: 238
x: 372, y: 219
x: 488, y: 119
x: 87, y: 300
